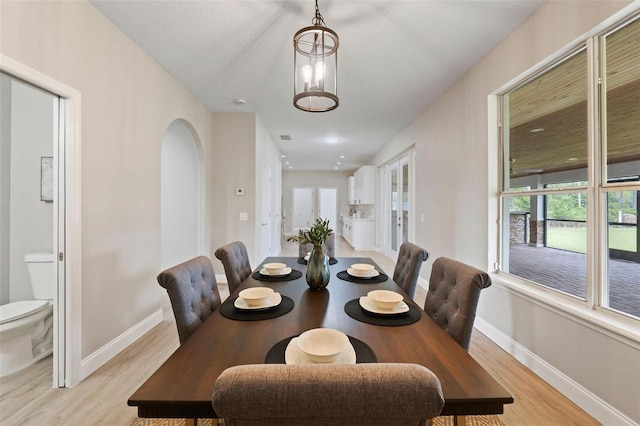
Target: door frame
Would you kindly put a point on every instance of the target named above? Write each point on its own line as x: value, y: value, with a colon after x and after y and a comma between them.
x: 407, y: 158
x: 67, y: 228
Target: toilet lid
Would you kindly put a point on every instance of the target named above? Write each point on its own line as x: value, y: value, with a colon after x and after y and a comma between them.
x: 16, y: 310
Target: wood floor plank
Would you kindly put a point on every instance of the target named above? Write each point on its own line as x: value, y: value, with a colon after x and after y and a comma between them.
x: 27, y: 398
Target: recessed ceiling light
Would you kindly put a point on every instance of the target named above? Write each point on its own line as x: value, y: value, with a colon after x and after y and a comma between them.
x: 537, y: 130
x: 338, y: 163
x: 240, y: 101
x: 331, y: 140
x: 335, y: 168
x: 342, y: 156
x: 290, y: 167
x: 283, y: 156
x: 286, y: 162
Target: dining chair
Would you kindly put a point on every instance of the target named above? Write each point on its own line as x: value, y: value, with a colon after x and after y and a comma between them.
x: 235, y: 259
x: 407, y: 270
x: 329, y: 247
x: 193, y: 292
x: 452, y: 298
x: 331, y: 395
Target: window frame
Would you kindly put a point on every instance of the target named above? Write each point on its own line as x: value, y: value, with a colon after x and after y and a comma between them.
x: 590, y: 311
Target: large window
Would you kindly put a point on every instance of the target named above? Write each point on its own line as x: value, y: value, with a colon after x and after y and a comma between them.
x: 571, y: 174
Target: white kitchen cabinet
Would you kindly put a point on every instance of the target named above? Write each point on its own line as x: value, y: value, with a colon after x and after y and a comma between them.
x: 365, y: 185
x: 359, y: 233
x: 351, y: 188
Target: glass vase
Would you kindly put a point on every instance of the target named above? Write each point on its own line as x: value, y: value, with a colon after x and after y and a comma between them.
x: 318, y: 268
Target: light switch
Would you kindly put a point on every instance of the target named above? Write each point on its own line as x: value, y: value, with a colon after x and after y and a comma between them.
x: 244, y: 216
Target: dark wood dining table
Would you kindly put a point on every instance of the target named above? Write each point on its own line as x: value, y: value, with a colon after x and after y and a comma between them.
x: 182, y: 386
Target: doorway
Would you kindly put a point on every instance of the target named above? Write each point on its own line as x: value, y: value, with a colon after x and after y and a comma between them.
x: 266, y: 216
x: 65, y: 179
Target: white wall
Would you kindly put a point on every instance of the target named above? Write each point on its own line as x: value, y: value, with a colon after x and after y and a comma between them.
x: 456, y: 183
x: 128, y: 102
x: 31, y: 220
x: 314, y: 179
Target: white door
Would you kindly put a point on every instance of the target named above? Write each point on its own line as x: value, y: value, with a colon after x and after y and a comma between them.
x: 327, y: 205
x: 398, y: 205
x: 302, y: 206
x: 265, y: 216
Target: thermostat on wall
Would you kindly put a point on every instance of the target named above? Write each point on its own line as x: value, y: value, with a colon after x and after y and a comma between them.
x: 239, y: 191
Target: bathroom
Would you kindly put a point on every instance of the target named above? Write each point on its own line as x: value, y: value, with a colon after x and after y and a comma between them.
x: 28, y: 127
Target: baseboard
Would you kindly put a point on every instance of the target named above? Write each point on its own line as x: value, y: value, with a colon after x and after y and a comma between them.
x: 579, y: 395
x: 114, y: 347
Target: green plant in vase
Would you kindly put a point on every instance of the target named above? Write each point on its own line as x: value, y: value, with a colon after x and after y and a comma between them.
x: 318, y: 263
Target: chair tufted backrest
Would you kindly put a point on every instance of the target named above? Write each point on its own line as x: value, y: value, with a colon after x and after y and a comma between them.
x: 452, y: 299
x: 235, y: 260
x: 193, y: 291
x: 405, y: 274
x: 315, y: 394
x: 329, y: 247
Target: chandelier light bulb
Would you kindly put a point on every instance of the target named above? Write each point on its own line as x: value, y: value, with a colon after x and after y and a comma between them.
x: 319, y: 73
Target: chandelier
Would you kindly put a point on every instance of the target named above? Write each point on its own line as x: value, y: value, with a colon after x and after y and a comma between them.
x: 315, y: 67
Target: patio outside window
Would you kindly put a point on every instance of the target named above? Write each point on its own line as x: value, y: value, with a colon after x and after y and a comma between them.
x: 571, y: 174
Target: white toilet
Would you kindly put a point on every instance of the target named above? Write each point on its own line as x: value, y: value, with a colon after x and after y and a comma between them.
x: 26, y: 326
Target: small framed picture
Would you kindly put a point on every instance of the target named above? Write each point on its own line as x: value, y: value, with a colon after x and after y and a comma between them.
x: 46, y: 179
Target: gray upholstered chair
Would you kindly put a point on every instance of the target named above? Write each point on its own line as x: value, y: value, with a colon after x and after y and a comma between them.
x: 452, y: 298
x: 331, y: 395
x: 235, y: 260
x: 405, y: 274
x: 193, y: 291
x: 329, y: 247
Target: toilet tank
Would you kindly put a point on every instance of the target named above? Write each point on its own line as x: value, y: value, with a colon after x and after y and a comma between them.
x: 40, y: 267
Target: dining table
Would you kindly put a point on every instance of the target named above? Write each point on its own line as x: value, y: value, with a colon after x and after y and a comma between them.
x: 182, y: 386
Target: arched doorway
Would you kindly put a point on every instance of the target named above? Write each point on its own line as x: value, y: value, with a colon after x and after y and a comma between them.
x: 181, y: 195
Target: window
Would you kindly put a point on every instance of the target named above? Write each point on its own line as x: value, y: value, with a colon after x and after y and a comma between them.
x: 571, y: 174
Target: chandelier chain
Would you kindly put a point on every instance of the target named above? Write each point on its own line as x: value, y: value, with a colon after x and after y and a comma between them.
x: 318, y: 20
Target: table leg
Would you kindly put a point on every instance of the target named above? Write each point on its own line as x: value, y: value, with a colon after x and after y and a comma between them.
x: 459, y: 420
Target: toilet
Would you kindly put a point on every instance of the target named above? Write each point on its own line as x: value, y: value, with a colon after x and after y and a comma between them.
x: 26, y: 326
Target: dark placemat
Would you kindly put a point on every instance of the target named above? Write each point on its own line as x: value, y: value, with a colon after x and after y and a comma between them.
x: 294, y: 275
x: 364, y: 354
x: 344, y: 275
x: 332, y: 261
x: 228, y: 310
x: 355, y: 311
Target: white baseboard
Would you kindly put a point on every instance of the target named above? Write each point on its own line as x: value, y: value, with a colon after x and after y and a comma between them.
x: 579, y: 395
x: 114, y: 347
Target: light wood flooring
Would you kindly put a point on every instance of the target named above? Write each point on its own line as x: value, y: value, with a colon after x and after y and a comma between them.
x: 27, y: 398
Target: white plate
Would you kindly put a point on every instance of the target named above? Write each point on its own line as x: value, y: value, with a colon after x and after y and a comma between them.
x: 368, y: 305
x: 294, y: 355
x: 373, y: 274
x: 274, y: 300
x: 286, y: 272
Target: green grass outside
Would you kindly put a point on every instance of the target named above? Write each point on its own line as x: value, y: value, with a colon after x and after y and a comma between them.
x: 575, y: 239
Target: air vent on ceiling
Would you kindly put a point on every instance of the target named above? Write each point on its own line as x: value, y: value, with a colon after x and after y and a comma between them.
x: 285, y: 137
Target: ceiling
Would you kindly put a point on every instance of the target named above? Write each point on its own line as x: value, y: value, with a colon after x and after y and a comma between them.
x: 395, y: 58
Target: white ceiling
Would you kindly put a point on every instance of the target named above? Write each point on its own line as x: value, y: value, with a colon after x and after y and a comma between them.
x: 395, y: 58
